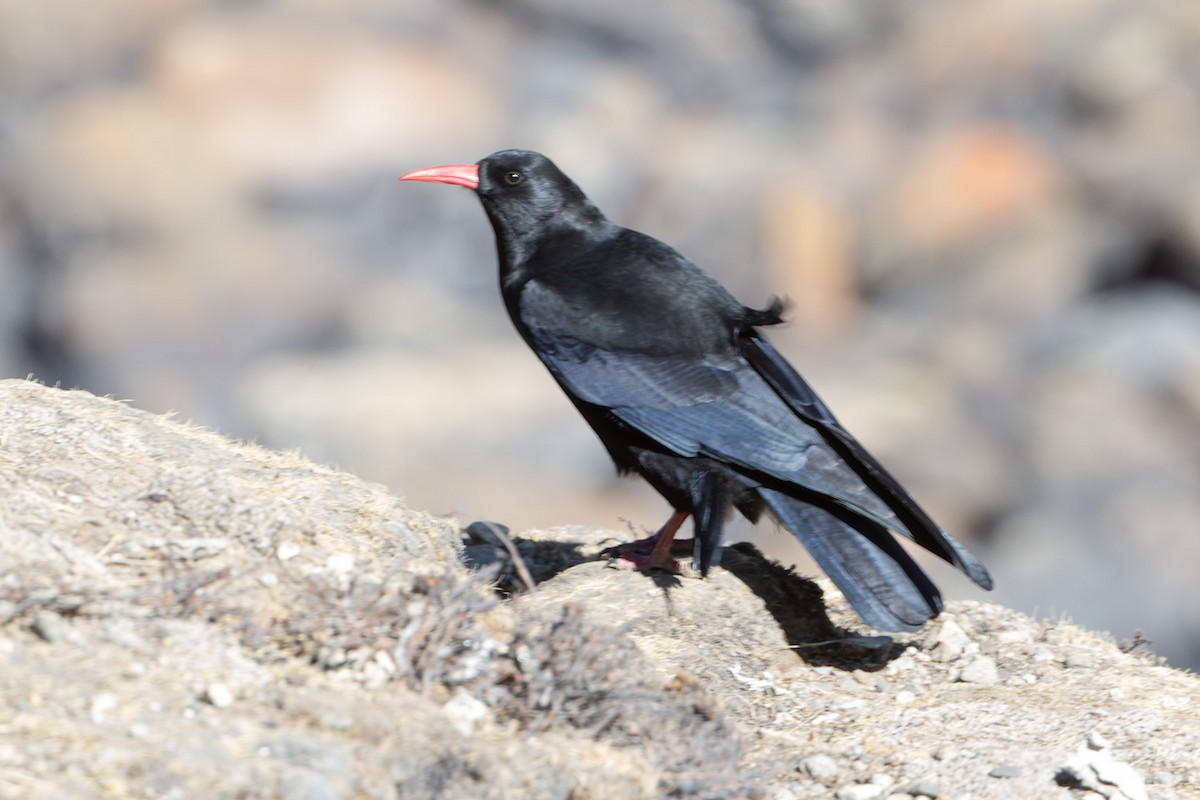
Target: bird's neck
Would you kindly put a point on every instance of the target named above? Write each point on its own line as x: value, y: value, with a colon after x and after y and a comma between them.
x: 521, y: 245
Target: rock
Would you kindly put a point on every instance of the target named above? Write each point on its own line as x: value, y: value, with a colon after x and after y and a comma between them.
x: 218, y: 695
x: 881, y: 779
x: 100, y: 707
x: 49, y: 626
x: 1098, y: 771
x: 965, y: 184
x: 946, y: 753
x: 948, y: 641
x: 980, y: 670
x: 820, y: 767
x: 859, y: 791
x: 925, y: 789
x: 1078, y: 660
x: 287, y: 550
x: 904, y: 175
x: 1162, y: 778
x: 601, y: 683
x: 807, y: 245
x: 465, y: 712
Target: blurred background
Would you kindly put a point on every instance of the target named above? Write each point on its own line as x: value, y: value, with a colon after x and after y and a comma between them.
x: 986, y: 214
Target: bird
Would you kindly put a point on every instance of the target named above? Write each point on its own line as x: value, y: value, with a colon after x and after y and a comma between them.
x: 682, y: 387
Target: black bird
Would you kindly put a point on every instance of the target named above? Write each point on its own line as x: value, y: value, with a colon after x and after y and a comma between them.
x: 682, y: 388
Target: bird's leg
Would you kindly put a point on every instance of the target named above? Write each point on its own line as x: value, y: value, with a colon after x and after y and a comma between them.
x: 710, y: 502
x: 653, y: 552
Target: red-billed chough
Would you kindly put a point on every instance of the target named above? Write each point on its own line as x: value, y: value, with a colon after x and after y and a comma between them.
x: 682, y: 388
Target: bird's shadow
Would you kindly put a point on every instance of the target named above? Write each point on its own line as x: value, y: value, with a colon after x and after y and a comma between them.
x: 797, y: 603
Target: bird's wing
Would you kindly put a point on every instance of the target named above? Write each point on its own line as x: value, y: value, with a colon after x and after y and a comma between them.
x: 715, y: 407
x: 801, y: 398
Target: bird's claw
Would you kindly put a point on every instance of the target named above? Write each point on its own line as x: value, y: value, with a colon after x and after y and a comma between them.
x: 644, y: 547
x: 643, y: 562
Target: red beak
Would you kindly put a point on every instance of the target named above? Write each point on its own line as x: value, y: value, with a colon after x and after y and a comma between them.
x: 458, y: 174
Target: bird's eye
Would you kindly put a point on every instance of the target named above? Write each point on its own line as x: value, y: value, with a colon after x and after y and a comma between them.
x: 512, y: 178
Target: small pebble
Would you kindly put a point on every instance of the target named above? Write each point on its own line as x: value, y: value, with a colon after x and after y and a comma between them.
x: 819, y: 767
x: 287, y: 550
x: 859, y: 791
x: 1013, y: 636
x: 340, y: 563
x: 1162, y: 778
x: 904, y: 697
x: 949, y: 642
x: 1095, y: 741
x: 1005, y: 771
x: 868, y: 679
x: 464, y: 712
x: 1078, y: 660
x: 218, y: 695
x: 49, y: 626
x: 946, y: 753
x: 100, y: 706
x: 925, y: 789
x: 981, y: 670
x: 1041, y: 654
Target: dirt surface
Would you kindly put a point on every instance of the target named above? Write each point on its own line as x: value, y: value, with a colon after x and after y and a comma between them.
x: 184, y: 616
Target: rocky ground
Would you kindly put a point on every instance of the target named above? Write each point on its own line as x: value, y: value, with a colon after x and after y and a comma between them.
x: 185, y: 616
x: 985, y: 213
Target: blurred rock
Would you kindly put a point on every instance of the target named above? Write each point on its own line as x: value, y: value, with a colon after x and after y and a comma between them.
x: 306, y: 100
x: 808, y: 254
x: 963, y: 185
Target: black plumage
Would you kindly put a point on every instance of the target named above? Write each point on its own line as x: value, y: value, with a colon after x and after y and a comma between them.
x: 682, y: 388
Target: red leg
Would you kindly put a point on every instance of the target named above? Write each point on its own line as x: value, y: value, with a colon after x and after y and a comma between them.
x: 653, y: 552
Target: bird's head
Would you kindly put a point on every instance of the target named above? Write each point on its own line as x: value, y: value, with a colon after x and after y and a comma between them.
x: 523, y: 192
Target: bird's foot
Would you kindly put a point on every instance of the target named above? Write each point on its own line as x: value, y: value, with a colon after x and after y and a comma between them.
x: 639, y: 563
x: 644, y: 555
x: 646, y: 546
x: 653, y: 552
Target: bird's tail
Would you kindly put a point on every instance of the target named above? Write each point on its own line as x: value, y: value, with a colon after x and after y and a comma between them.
x: 916, y: 524
x: 879, y: 579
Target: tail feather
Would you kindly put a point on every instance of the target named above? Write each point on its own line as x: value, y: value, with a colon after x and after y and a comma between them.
x: 918, y: 527
x: 879, y: 579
